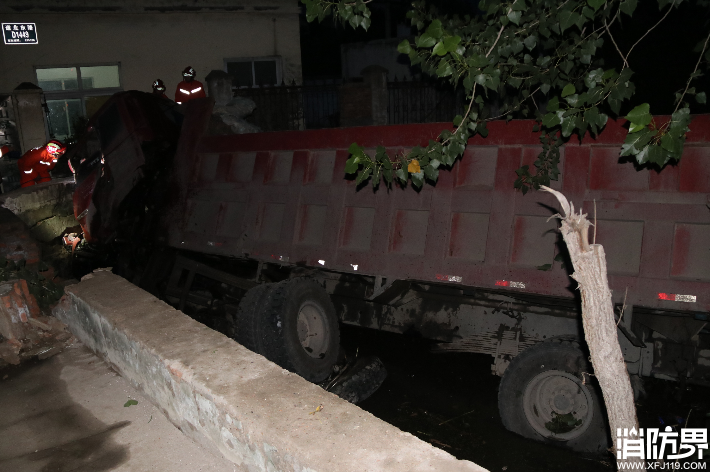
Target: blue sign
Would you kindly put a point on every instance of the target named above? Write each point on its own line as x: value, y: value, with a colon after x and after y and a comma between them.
x: 19, y: 33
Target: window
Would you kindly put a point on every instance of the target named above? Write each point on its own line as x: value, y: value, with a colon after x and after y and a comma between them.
x: 75, y: 92
x: 254, y: 71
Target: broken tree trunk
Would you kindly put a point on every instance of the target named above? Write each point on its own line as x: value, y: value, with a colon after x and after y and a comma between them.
x: 600, y: 331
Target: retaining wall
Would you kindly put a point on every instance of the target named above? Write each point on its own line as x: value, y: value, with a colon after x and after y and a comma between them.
x: 258, y: 415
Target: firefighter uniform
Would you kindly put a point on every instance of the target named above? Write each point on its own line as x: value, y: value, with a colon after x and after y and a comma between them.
x: 36, y: 163
x: 189, y: 88
x: 159, y: 89
x: 186, y: 91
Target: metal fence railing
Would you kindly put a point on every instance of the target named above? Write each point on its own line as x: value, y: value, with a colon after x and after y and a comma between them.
x: 422, y: 102
x: 317, y: 105
x: 294, y: 107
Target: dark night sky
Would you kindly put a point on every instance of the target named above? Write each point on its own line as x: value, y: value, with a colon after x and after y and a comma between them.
x: 662, y: 61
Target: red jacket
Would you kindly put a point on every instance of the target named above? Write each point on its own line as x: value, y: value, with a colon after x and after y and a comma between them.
x: 186, y: 91
x: 35, y: 165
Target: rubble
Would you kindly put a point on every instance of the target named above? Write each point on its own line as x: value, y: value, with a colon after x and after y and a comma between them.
x: 229, y: 109
x: 47, y: 209
x: 25, y: 332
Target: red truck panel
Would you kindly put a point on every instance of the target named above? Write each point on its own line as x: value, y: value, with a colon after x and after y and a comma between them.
x: 284, y: 196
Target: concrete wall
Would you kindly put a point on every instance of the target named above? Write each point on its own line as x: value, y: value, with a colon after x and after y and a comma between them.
x: 154, y: 40
x: 256, y: 414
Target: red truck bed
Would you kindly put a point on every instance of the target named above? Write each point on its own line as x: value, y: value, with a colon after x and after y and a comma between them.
x: 285, y: 196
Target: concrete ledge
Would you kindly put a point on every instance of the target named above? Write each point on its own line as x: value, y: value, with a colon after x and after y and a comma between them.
x: 225, y: 397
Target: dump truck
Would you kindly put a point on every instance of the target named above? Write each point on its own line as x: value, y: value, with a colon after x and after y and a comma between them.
x: 267, y: 231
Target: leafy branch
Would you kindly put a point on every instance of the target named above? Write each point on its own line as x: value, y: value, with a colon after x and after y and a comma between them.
x: 531, y: 58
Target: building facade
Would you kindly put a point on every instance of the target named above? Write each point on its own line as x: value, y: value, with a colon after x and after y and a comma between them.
x: 87, y: 50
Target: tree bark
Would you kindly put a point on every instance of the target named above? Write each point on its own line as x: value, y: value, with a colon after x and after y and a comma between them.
x: 600, y: 330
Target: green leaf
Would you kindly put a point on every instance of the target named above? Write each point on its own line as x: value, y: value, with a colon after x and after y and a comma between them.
x: 614, y: 104
x: 363, y: 176
x: 544, y: 267
x: 568, y: 126
x: 355, y: 150
x: 628, y: 6
x: 634, y: 127
x: 519, y: 5
x: 451, y: 43
x: 483, y: 130
x: 544, y: 88
x: 435, y: 30
x: 444, y: 69
x: 634, y: 143
x: 568, y: 90
x: 700, y: 98
x: 672, y: 145
x: 129, y: 403
x: 401, y: 175
x: 593, y: 78
x: 477, y: 61
x: 553, y: 104
x: 530, y: 42
x: 514, y: 17
x: 609, y: 73
x: 551, y: 120
x: 417, y: 179
x: 573, y: 100
x: 425, y: 41
x: 657, y: 155
x: 351, y: 166
x: 591, y: 116
x: 431, y: 173
x: 468, y: 83
x: 640, y: 115
x: 439, y: 49
x: 404, y: 47
x: 568, y: 18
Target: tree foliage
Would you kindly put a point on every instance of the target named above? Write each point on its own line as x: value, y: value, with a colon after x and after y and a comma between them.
x: 526, y: 58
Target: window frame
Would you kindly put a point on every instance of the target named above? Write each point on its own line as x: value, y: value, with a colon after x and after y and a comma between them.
x: 79, y: 93
x: 277, y: 60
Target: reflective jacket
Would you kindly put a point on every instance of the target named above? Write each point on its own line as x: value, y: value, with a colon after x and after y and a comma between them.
x: 186, y: 91
x: 35, y: 165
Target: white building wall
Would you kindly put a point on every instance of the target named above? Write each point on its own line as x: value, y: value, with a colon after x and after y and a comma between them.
x: 151, y: 45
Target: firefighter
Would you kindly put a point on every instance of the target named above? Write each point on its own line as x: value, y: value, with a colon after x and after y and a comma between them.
x: 36, y: 163
x: 189, y: 88
x: 159, y: 88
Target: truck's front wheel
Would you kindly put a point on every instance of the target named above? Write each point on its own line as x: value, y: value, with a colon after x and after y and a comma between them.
x: 547, y: 394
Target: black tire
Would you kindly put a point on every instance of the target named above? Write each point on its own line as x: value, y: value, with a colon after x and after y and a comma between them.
x: 246, y: 326
x: 293, y: 324
x: 546, y: 395
x: 362, y: 380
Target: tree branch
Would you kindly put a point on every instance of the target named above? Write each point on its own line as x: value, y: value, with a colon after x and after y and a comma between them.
x: 497, y: 38
x: 651, y: 29
x: 690, y: 79
x: 626, y: 63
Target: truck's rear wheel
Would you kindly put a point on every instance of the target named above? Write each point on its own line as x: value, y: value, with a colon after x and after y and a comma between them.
x: 246, y: 321
x: 546, y: 395
x: 293, y: 324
